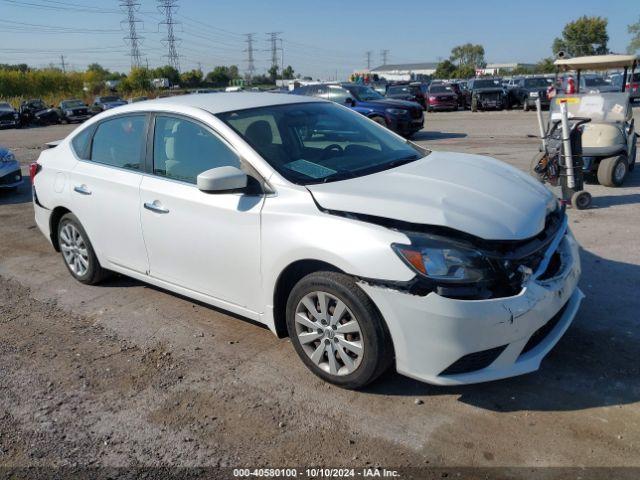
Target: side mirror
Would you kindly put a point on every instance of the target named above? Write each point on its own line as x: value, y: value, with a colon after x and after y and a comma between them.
x: 350, y: 102
x: 222, y: 179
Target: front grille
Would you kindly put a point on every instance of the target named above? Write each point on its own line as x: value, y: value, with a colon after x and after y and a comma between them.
x: 81, y: 111
x: 474, y: 361
x: 11, y: 178
x: 544, y: 331
x: 7, y: 117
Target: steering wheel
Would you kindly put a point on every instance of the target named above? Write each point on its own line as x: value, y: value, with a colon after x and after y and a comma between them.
x: 334, y: 147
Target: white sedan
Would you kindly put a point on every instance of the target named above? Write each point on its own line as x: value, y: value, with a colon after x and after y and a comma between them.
x: 365, y: 249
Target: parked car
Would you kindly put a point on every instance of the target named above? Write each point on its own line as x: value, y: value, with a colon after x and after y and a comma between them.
x: 365, y: 249
x: 442, y: 97
x: 36, y: 112
x: 596, y: 84
x: 109, y: 101
x: 405, y: 118
x: 73, y: 111
x: 525, y: 92
x: 9, y: 117
x: 137, y: 99
x: 485, y: 94
x: 459, y: 88
x: 412, y: 92
x: 632, y: 84
x: 10, y: 173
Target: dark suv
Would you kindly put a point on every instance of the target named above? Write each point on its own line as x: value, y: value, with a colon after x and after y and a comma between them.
x: 412, y: 92
x: 405, y: 118
x: 525, y: 92
x: 485, y: 94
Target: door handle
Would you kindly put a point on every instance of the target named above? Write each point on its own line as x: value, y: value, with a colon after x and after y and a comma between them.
x: 82, y: 189
x: 156, y: 207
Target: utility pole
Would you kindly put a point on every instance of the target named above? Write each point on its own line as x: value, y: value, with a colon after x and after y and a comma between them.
x: 130, y: 7
x: 368, y: 54
x: 64, y: 67
x: 272, y: 38
x: 167, y: 8
x: 251, y: 67
x: 282, y: 58
x: 385, y: 56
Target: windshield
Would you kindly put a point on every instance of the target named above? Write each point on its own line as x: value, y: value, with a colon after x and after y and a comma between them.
x: 72, y: 104
x: 600, y: 107
x: 536, y: 82
x: 320, y: 142
x: 5, y: 106
x: 399, y: 89
x: 440, y: 89
x: 364, y: 94
x: 595, y: 81
x: 487, y: 83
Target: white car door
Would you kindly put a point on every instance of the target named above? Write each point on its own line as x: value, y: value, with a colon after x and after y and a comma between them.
x: 206, y: 242
x: 105, y: 191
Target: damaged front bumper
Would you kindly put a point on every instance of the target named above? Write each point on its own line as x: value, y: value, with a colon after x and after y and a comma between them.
x: 449, y: 341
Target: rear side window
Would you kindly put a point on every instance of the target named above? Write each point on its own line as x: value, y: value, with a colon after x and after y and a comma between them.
x: 81, y: 144
x: 120, y: 142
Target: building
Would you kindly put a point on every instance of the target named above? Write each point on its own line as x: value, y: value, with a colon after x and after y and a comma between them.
x: 501, y: 68
x: 406, y: 71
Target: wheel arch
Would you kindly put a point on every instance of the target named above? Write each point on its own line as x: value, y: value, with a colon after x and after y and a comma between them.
x: 54, y: 220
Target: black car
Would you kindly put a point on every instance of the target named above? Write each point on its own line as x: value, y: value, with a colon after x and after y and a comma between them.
x: 37, y: 112
x: 412, y: 92
x: 525, y: 92
x: 108, y: 101
x: 73, y: 111
x: 405, y: 118
x: 8, y: 116
x: 485, y: 94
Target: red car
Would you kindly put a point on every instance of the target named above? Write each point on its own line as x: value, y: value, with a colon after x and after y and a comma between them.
x: 441, y: 97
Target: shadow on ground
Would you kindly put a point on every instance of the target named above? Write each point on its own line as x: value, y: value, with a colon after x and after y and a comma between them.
x: 431, y: 135
x: 15, y: 197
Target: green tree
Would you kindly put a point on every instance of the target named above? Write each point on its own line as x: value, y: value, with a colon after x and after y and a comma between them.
x: 584, y: 36
x: 191, y: 79
x: 273, y: 73
x: 545, y: 66
x: 468, y: 55
x: 219, y: 76
x: 634, y: 31
x: 98, y: 71
x: 233, y: 72
x: 167, y: 72
x: 465, y: 71
x: 445, y: 69
x: 138, y: 79
x: 288, y: 73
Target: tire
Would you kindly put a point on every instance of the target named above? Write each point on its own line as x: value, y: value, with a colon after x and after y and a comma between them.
x: 360, y: 367
x: 77, y: 252
x: 581, y: 200
x: 379, y: 120
x: 612, y: 171
x: 632, y: 156
x: 534, y: 163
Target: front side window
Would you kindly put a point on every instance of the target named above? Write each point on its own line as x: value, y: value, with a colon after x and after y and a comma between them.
x: 183, y: 149
x: 364, y: 94
x: 120, y: 142
x: 338, y: 94
x: 320, y: 142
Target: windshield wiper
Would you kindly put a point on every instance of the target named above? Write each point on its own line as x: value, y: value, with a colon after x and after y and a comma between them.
x: 339, y: 176
x: 402, y: 161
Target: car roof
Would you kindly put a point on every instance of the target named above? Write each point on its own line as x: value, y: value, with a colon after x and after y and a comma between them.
x: 226, y: 101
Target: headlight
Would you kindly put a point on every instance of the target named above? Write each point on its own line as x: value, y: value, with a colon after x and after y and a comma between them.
x: 396, y: 111
x: 445, y: 260
x: 533, y: 94
x: 16, y: 116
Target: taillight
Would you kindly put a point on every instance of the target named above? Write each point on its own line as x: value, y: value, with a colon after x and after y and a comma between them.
x: 34, y: 168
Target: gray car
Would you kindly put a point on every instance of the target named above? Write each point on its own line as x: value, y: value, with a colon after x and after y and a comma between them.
x: 10, y: 173
x: 8, y: 116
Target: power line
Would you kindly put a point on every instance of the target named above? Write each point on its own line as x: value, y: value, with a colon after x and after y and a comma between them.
x: 368, y: 54
x: 134, y: 40
x: 272, y: 38
x: 384, y: 54
x: 251, y: 67
x: 167, y: 8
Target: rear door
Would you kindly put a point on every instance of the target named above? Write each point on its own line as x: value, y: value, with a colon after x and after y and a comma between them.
x: 105, y: 191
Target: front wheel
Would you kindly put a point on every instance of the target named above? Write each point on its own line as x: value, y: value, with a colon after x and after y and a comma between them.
x: 77, y: 251
x: 581, y: 200
x: 337, y: 330
x: 612, y: 171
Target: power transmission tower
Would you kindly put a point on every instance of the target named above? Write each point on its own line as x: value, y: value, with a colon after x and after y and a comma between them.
x: 251, y: 67
x: 62, y: 64
x: 273, y: 41
x: 168, y: 8
x: 131, y: 7
x: 385, y: 56
x: 368, y: 54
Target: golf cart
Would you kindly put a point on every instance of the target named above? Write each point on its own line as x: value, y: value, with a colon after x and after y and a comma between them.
x: 608, y: 139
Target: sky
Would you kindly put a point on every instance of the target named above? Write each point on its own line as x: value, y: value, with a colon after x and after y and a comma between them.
x: 325, y: 39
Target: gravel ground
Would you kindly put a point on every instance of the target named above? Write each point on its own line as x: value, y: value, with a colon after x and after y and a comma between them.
x: 125, y: 374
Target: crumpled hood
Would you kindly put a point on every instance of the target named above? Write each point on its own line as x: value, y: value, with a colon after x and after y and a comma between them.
x: 477, y: 195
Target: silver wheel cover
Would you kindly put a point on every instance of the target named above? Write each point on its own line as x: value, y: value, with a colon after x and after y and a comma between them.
x: 74, y: 249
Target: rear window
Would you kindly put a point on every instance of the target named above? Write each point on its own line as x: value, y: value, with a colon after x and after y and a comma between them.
x: 440, y: 89
x: 81, y: 143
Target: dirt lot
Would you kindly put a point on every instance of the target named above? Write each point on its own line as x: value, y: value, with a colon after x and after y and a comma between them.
x: 125, y: 374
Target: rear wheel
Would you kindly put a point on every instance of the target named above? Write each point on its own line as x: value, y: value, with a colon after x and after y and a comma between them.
x: 77, y: 252
x: 581, y: 200
x: 337, y: 330
x: 612, y: 171
x: 534, y: 163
